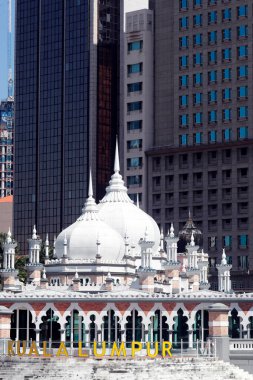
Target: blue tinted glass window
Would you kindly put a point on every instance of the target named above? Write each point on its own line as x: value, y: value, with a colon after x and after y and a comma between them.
x: 227, y: 134
x: 183, y: 4
x: 197, y: 39
x: 183, y: 80
x: 242, y: 11
x: 212, y: 37
x: 212, y: 96
x: 183, y: 42
x: 243, y: 132
x: 183, y: 100
x: 184, y: 22
x: 226, y: 94
x: 226, y: 14
x: 226, y: 74
x: 198, y: 138
x: 212, y: 17
x: 197, y: 20
x: 242, y: 72
x: 134, y: 162
x: 242, y: 91
x: 212, y: 76
x: 135, y: 124
x: 212, y: 136
x: 197, y: 79
x: 226, y: 54
x: 136, y: 45
x: 134, y: 106
x: 197, y: 117
x: 183, y: 119
x: 226, y: 34
x: 134, y: 144
x: 242, y: 31
x: 183, y: 139
x: 212, y: 116
x: 135, y: 68
x: 227, y: 241
x: 242, y: 51
x: 212, y: 57
x: 134, y: 180
x: 197, y: 98
x: 197, y: 59
x: 226, y: 114
x: 183, y: 61
x: 243, y: 240
x: 133, y: 87
x: 242, y: 112
x: 197, y: 3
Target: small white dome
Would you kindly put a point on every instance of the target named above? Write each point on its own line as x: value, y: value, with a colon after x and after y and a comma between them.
x: 119, y: 211
x: 82, y: 236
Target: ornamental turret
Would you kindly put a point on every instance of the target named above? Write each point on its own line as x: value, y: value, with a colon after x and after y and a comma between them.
x: 146, y: 272
x: 8, y: 273
x: 34, y: 267
x: 224, y: 282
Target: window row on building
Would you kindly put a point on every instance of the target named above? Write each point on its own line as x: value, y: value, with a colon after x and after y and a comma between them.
x: 213, y: 37
x: 212, y: 58
x: 214, y: 16
x: 212, y: 136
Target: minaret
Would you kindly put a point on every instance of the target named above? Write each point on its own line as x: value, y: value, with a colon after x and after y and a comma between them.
x: 8, y: 273
x: 46, y: 248
x: 192, y: 272
x: 146, y: 272
x: 172, y: 266
x: 224, y: 282
x: 34, y: 267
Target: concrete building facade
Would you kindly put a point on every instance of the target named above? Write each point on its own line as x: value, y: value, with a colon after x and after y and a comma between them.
x: 202, y: 152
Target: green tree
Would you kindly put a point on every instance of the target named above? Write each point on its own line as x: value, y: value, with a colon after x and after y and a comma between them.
x: 20, y: 265
x: 3, y: 237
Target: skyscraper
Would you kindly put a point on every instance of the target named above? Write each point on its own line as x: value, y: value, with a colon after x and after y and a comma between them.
x: 201, y: 157
x: 67, y: 85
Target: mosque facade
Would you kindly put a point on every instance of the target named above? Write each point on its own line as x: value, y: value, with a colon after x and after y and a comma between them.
x: 115, y: 277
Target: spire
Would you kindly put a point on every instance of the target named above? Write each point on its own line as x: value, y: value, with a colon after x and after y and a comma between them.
x: 116, y: 158
x: 44, y: 274
x: 65, y: 248
x: 172, y: 235
x: 146, y: 234
x: 137, y: 200
x: 224, y: 257
x: 54, y: 247
x: 46, y: 241
x: 76, y: 274
x: 90, y: 210
x: 192, y: 243
x: 90, y: 193
x: 116, y: 191
x: 8, y: 240
x: 47, y: 247
x: 189, y: 214
x: 34, y: 235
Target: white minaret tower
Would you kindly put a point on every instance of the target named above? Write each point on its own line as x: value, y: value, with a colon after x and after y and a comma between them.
x: 8, y: 273
x: 34, y: 267
x: 47, y: 248
x: 171, y: 245
x: 146, y: 272
x: 9, y: 252
x: 224, y: 282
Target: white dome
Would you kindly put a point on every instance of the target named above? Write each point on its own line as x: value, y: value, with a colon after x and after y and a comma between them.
x: 118, y: 211
x: 82, y: 236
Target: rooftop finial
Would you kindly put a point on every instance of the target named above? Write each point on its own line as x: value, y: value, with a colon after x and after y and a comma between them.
x: 46, y: 241
x: 65, y: 239
x: 192, y: 243
x: 34, y: 235
x: 137, y: 200
x: 172, y: 235
x: 76, y: 274
x: 90, y: 193
x: 190, y: 214
x: 116, y: 159
x: 44, y: 273
x: 224, y: 257
x: 8, y: 240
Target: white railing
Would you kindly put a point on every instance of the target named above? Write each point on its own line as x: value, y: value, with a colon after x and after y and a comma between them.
x: 241, y: 345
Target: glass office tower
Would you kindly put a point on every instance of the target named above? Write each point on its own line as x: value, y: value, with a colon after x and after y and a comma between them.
x: 63, y: 59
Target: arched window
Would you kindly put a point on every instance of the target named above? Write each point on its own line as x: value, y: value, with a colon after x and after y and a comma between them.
x: 180, y: 329
x: 50, y: 328
x: 111, y: 328
x: 134, y: 328
x: 200, y: 329
x: 22, y: 327
x: 234, y: 325
x: 75, y: 329
x: 158, y: 329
